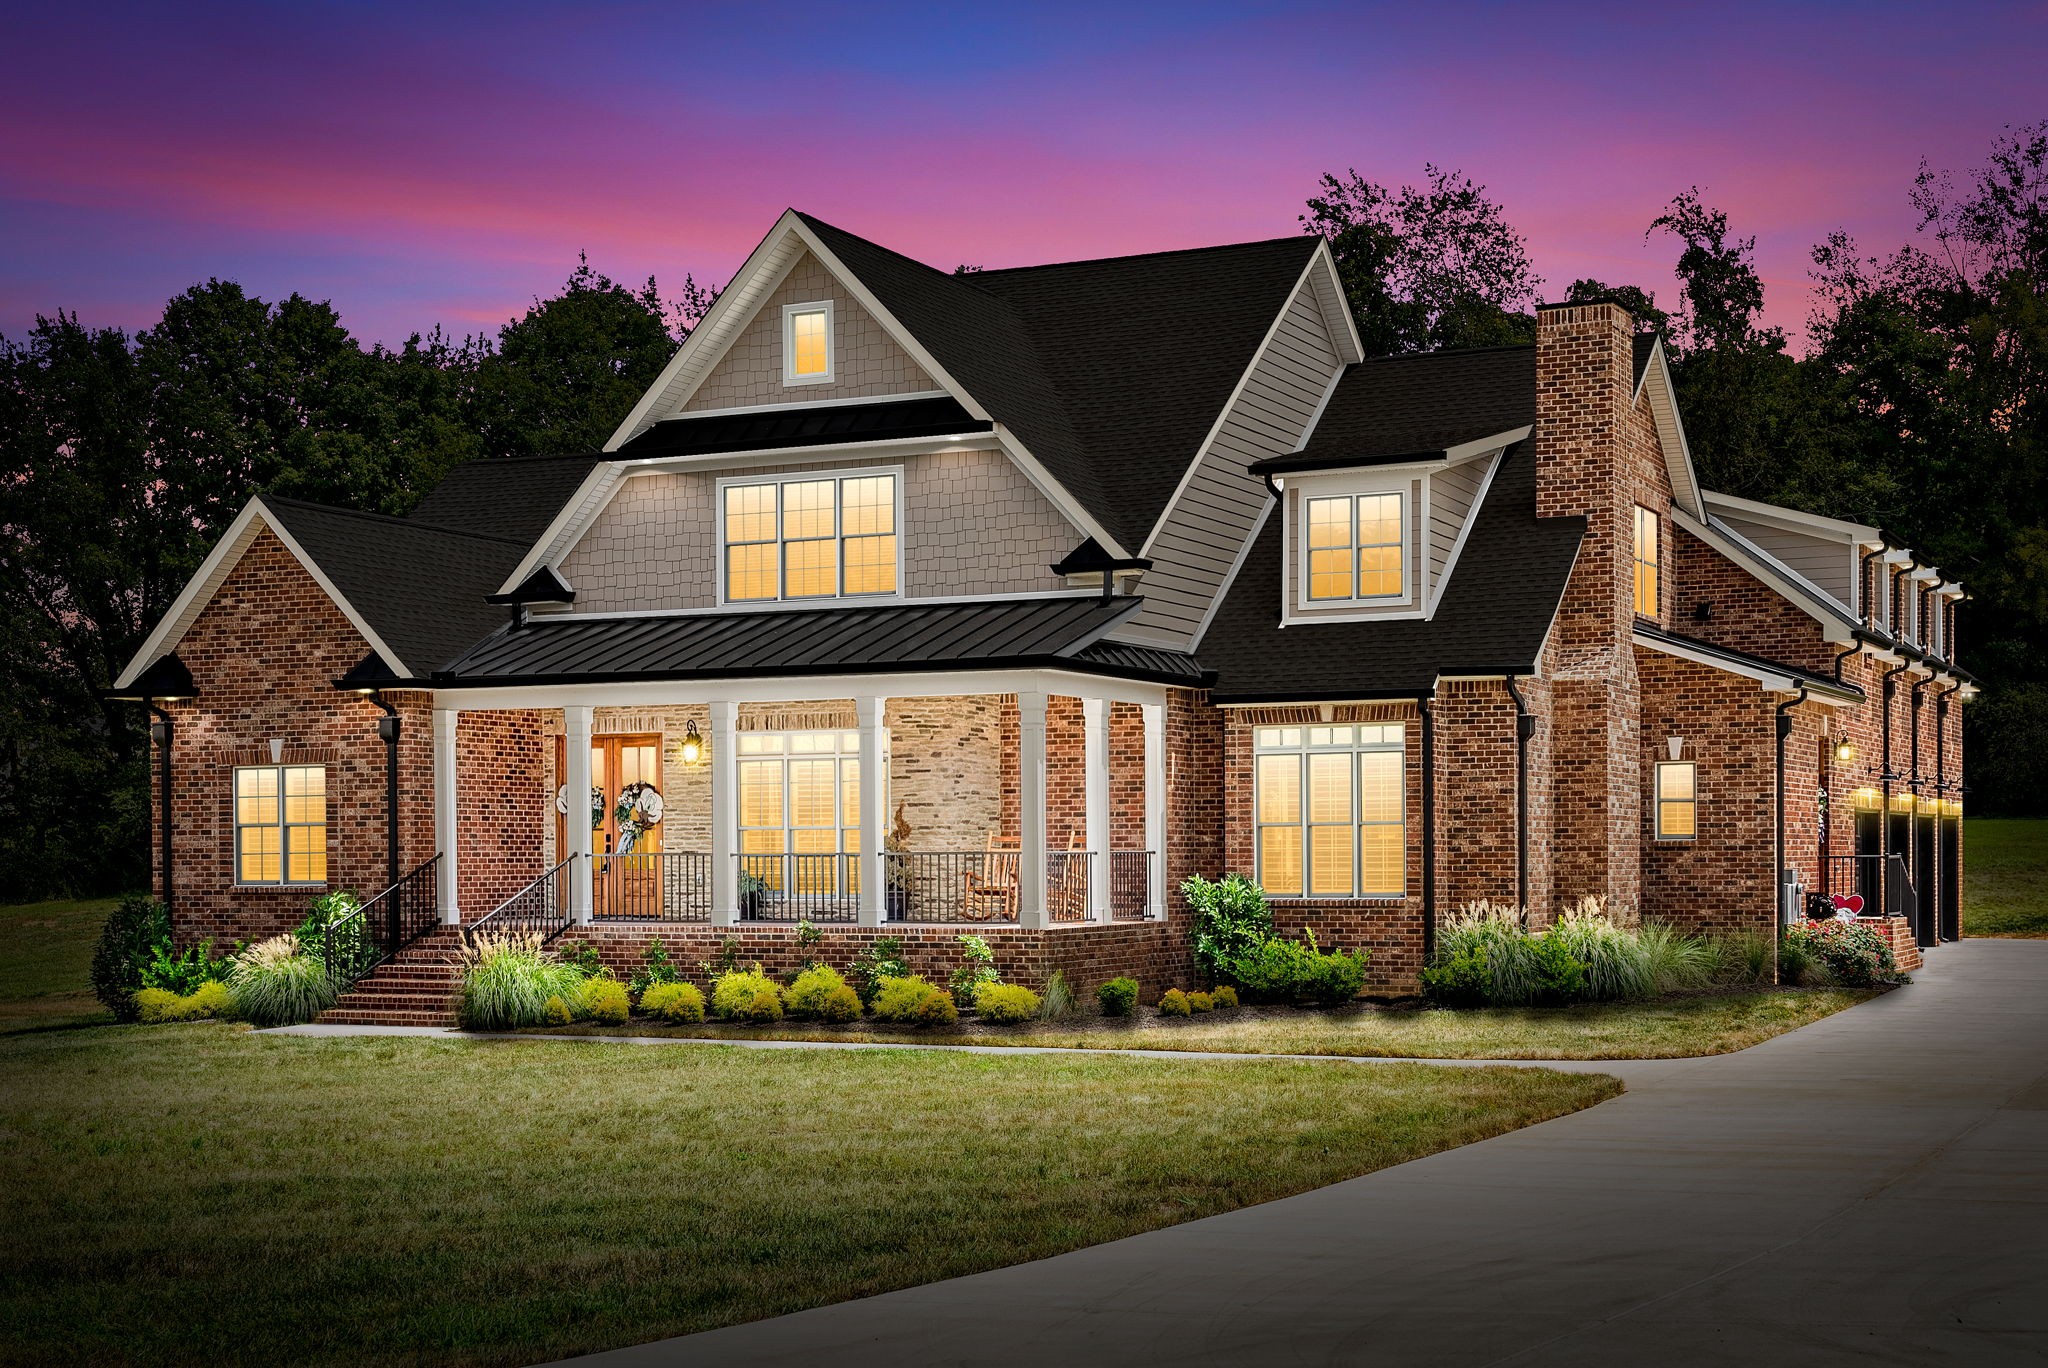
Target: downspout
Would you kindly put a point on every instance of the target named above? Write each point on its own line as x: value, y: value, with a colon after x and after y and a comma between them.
x: 162, y: 732
x: 1778, y: 869
x: 1422, y: 703
x: 388, y: 729
x: 1854, y: 647
x: 1885, y: 777
x: 1525, y: 727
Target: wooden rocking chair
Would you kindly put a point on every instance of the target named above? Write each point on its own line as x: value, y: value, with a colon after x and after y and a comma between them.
x: 1066, y: 896
x: 991, y: 891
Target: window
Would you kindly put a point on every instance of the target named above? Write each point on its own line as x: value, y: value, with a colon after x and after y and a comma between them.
x: 1329, y: 806
x: 1647, y: 563
x: 1677, y: 801
x: 807, y: 348
x: 1354, y: 547
x: 281, y: 824
x: 832, y: 537
x: 799, y: 795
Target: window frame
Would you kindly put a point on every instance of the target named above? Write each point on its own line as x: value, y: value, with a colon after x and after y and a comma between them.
x: 846, y: 755
x: 1303, y: 752
x: 790, y: 313
x: 1657, y: 800
x: 1655, y: 563
x: 781, y: 542
x: 1411, y: 501
x: 282, y: 825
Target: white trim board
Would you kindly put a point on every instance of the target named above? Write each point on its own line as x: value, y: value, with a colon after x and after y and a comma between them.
x: 804, y: 689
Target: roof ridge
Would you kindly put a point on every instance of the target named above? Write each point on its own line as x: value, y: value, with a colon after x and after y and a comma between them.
x: 1449, y: 351
x: 389, y: 519
x: 1144, y: 256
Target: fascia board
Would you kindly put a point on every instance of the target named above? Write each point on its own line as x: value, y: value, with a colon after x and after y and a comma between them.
x: 1790, y: 584
x: 1333, y: 300
x: 1792, y: 519
x: 1770, y: 681
x: 1464, y: 533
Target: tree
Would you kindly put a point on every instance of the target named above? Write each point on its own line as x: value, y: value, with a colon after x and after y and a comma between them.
x: 1638, y: 301
x: 1426, y: 267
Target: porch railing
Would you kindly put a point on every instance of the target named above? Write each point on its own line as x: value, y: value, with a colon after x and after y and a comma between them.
x: 1130, y: 885
x: 949, y: 885
x: 658, y: 885
x: 791, y: 887
x: 1882, y: 881
x: 358, y: 942
x: 541, y: 908
x: 1066, y: 885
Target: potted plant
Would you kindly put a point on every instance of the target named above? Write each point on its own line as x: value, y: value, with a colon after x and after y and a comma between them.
x: 896, y: 892
x: 752, y: 890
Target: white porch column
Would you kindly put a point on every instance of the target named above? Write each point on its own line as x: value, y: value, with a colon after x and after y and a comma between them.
x: 874, y: 821
x: 1031, y: 809
x: 725, y: 823
x: 576, y: 723
x: 445, y: 825
x: 1155, y: 806
x: 1095, y: 768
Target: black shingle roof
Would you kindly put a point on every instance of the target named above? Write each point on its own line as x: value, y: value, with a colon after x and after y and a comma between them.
x: 1496, y: 609
x: 1110, y: 371
x: 505, y: 496
x: 795, y: 425
x: 1393, y: 407
x: 838, y: 640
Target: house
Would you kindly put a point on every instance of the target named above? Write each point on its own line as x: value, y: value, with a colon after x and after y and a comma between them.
x: 907, y: 603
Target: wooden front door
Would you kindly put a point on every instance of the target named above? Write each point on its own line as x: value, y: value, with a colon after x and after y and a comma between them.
x: 625, y: 882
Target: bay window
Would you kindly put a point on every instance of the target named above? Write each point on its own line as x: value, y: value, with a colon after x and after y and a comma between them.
x: 1330, y: 813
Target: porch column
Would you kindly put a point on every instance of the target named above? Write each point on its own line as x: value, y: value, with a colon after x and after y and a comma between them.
x: 1095, y: 768
x: 725, y: 825
x: 874, y: 821
x: 1155, y: 806
x: 445, y: 825
x: 1031, y: 809
x: 576, y: 747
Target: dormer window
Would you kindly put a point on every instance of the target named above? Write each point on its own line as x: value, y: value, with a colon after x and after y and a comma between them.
x: 1355, y: 548
x: 807, y: 344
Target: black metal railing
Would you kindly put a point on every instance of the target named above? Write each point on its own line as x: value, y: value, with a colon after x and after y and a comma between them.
x: 949, y: 885
x: 1882, y: 881
x: 358, y: 941
x: 1130, y: 885
x: 1066, y: 884
x: 657, y: 885
x: 791, y: 887
x: 541, y: 908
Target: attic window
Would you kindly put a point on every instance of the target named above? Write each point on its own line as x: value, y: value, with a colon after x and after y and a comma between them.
x: 807, y: 345
x: 1355, y: 548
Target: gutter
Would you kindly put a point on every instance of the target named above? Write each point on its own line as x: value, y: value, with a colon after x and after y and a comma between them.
x: 1784, y: 714
x: 1423, y: 702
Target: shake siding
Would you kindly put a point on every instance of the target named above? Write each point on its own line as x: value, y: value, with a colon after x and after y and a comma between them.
x: 1831, y: 565
x: 1208, y: 523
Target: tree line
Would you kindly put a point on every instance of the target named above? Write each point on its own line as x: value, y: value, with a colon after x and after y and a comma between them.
x: 1918, y: 407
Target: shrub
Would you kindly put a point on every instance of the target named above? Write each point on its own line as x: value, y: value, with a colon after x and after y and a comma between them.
x: 977, y: 967
x: 274, y: 985
x: 1799, y: 963
x: 1006, y: 1004
x: 1745, y: 957
x: 1560, y: 977
x: 820, y: 994
x: 183, y: 973
x: 558, y: 1013
x: 354, y: 951
x: 1174, y: 1003
x: 1278, y: 970
x: 726, y: 960
x: 582, y: 955
x: 1224, y: 996
x: 875, y: 964
x: 1847, y: 953
x: 212, y: 998
x: 606, y: 1001
x: 678, y: 1002
x: 911, y: 1000
x: 1117, y: 997
x: 1201, y: 1002
x: 508, y: 979
x: 1056, y: 1000
x: 746, y: 995
x: 655, y: 967
x: 1229, y: 917
x: 132, y: 932
x: 1458, y: 981
x: 1677, y: 962
x: 154, y: 1006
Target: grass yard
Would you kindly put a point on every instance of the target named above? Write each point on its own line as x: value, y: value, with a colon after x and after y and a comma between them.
x: 46, y: 963
x: 2005, y: 877
x: 201, y: 1194
x: 1673, y: 1028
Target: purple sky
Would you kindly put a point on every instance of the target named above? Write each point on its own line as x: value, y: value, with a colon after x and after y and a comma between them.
x: 420, y: 166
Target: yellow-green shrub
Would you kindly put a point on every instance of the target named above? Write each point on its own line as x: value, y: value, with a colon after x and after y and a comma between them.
x: 820, y: 994
x: 1174, y: 1003
x: 557, y: 1012
x: 677, y: 1002
x: 1005, y: 1004
x: 738, y: 996
x: 211, y: 999
x: 1226, y: 996
x: 606, y: 1001
x: 912, y: 1000
x: 1201, y: 1002
x: 154, y: 1006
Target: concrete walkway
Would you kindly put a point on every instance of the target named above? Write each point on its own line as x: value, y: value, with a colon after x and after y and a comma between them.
x: 1872, y: 1188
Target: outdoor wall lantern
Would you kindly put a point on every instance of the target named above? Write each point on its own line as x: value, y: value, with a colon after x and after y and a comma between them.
x: 691, y: 747
x: 1845, y: 751
x: 1676, y: 745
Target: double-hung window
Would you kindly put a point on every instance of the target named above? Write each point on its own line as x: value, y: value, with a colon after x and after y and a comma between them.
x: 1647, y: 562
x: 281, y: 824
x: 1677, y: 800
x: 1354, y: 547
x: 829, y: 537
x: 1330, y: 808
x: 807, y: 344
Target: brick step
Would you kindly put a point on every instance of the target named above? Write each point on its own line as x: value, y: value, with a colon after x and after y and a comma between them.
x: 377, y: 1017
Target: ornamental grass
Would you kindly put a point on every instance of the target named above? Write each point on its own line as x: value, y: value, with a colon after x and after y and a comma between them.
x: 508, y: 979
x: 276, y: 984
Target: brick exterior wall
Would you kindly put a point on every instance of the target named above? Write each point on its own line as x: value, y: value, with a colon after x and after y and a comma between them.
x: 1743, y: 613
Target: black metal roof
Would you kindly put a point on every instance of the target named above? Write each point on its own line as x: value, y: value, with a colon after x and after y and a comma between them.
x: 1050, y: 631
x: 1496, y: 610
x: 795, y: 425
x: 1394, y: 408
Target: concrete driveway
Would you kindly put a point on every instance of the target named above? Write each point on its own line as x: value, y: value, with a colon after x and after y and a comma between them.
x: 1871, y: 1189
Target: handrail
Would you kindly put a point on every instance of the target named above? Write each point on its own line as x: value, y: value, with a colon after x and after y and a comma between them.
x: 549, y: 917
x: 400, y: 929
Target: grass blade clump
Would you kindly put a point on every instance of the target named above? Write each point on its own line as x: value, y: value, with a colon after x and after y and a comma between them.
x: 507, y: 981
x: 1616, y: 963
x: 274, y: 984
x: 1678, y: 963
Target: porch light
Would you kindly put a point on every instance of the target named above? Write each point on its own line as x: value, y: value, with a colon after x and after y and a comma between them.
x: 691, y: 748
x: 1845, y: 751
x: 1866, y: 799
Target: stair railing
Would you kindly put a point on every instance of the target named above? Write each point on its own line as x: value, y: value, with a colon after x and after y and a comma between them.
x: 383, y: 926
x: 540, y: 908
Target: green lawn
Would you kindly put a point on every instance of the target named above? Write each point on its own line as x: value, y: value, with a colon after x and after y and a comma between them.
x: 1674, y: 1028
x: 202, y: 1194
x: 46, y: 962
x: 2005, y: 876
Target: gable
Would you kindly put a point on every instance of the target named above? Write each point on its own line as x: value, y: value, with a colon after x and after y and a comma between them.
x: 869, y: 363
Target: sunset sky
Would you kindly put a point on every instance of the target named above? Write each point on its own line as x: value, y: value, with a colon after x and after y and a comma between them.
x: 420, y: 164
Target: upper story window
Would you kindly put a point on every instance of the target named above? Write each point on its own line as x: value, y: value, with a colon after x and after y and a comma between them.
x: 831, y: 536
x: 808, y: 350
x: 1329, y: 806
x: 281, y: 824
x: 1647, y: 562
x: 1355, y: 548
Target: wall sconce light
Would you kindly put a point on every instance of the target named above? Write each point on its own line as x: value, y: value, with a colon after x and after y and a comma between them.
x: 1676, y: 745
x: 1845, y: 751
x: 691, y: 747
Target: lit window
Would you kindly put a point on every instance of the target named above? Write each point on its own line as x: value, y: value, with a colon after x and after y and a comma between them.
x: 1329, y: 811
x: 799, y: 810
x: 1354, y: 547
x: 281, y: 824
x: 806, y: 539
x: 1677, y: 801
x: 806, y: 343
x: 1646, y: 563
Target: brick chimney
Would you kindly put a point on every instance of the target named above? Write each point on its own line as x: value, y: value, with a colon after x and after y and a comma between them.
x: 1597, y: 458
